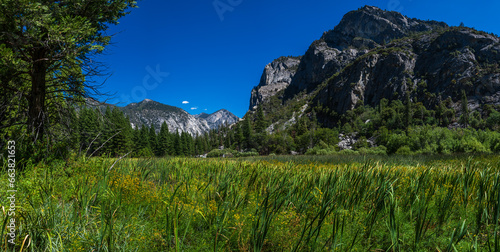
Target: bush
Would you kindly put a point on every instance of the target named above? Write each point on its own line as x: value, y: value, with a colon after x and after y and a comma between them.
x: 247, y: 154
x: 470, y: 144
x: 221, y: 153
x: 348, y: 152
x: 404, y: 150
x: 379, y: 150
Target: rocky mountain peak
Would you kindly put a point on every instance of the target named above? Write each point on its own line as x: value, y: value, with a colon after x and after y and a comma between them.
x: 374, y: 54
x: 276, y: 77
x: 370, y: 24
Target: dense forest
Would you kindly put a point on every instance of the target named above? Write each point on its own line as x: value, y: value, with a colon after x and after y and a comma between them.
x: 393, y: 127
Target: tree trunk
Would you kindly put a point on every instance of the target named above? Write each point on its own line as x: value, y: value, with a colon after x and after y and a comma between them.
x: 36, y: 113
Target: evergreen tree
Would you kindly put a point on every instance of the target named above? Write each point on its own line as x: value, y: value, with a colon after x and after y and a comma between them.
x: 153, y: 142
x: 238, y: 136
x: 178, y: 144
x: 408, y: 111
x: 164, y: 140
x: 260, y: 121
x: 465, y: 110
x: 143, y: 142
x: 47, y: 53
x: 248, y: 133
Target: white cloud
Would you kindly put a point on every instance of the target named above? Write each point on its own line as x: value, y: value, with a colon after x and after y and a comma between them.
x: 185, y: 102
x: 205, y: 109
x: 194, y: 108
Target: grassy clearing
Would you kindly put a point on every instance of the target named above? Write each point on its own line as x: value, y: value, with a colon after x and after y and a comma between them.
x: 339, y: 204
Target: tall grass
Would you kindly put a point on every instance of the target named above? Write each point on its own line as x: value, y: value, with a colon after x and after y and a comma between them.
x: 284, y: 204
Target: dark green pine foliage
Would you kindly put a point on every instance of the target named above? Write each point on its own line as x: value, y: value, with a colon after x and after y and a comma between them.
x: 74, y: 130
x: 108, y: 133
x: 141, y: 141
x: 260, y: 121
x: 89, y: 128
x: 153, y: 141
x: 178, y: 148
x: 164, y: 141
x: 464, y: 118
x: 239, y: 138
x: 248, y: 133
x: 408, y: 110
x: 121, y: 142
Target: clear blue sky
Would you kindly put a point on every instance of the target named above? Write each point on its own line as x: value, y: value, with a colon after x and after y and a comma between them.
x: 213, y: 61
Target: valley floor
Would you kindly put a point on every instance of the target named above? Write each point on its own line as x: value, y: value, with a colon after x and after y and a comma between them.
x: 281, y: 203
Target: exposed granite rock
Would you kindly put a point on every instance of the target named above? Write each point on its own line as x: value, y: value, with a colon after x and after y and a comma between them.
x: 358, y: 32
x: 373, y: 24
x: 374, y: 54
x: 276, y: 77
x: 431, y: 68
x: 219, y: 118
x: 150, y: 112
x: 318, y: 64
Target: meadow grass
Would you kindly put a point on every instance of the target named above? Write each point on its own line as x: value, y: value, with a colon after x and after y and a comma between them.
x: 335, y: 203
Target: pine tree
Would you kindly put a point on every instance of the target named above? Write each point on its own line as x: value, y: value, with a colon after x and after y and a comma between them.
x: 239, y: 137
x: 408, y: 111
x: 260, y: 121
x: 153, y: 142
x: 143, y: 142
x: 164, y: 143
x: 248, y: 133
x: 178, y: 144
x: 465, y: 110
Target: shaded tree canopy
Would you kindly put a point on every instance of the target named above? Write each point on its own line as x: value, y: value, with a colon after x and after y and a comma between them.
x: 48, y: 51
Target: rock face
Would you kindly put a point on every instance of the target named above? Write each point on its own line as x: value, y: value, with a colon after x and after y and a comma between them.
x: 374, y: 54
x: 150, y: 112
x: 219, y: 118
x: 370, y: 26
x: 358, y: 32
x: 276, y: 77
x: 430, y: 68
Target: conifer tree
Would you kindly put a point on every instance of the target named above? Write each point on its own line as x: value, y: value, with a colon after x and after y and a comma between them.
x: 260, y: 121
x: 153, y: 142
x: 164, y: 140
x: 465, y: 110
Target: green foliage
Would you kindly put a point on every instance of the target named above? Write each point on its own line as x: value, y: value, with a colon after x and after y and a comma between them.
x: 344, y: 202
x: 62, y: 38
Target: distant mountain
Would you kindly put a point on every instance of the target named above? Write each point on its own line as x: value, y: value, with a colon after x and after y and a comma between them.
x: 149, y: 112
x: 218, y: 118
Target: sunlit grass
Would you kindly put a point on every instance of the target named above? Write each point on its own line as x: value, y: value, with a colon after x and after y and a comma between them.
x: 261, y: 204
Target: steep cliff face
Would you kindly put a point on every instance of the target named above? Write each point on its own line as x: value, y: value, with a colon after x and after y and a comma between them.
x: 358, y: 32
x: 370, y: 26
x: 374, y: 54
x: 429, y: 67
x: 319, y: 62
x: 277, y: 76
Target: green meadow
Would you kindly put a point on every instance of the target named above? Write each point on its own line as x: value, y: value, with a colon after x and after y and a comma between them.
x: 282, y: 203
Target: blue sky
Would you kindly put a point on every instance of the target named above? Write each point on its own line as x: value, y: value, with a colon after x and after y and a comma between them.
x: 176, y: 52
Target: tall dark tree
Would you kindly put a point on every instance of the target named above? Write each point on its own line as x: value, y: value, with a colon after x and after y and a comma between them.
x: 408, y: 113
x: 153, y: 141
x: 260, y: 121
x: 464, y: 118
x: 48, y: 49
x: 164, y: 140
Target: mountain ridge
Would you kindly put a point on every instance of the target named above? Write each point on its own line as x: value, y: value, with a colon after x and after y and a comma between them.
x: 149, y: 112
x: 374, y: 54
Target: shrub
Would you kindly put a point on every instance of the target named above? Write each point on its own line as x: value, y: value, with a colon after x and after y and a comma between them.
x: 404, y: 150
x: 221, y: 153
x: 379, y: 150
